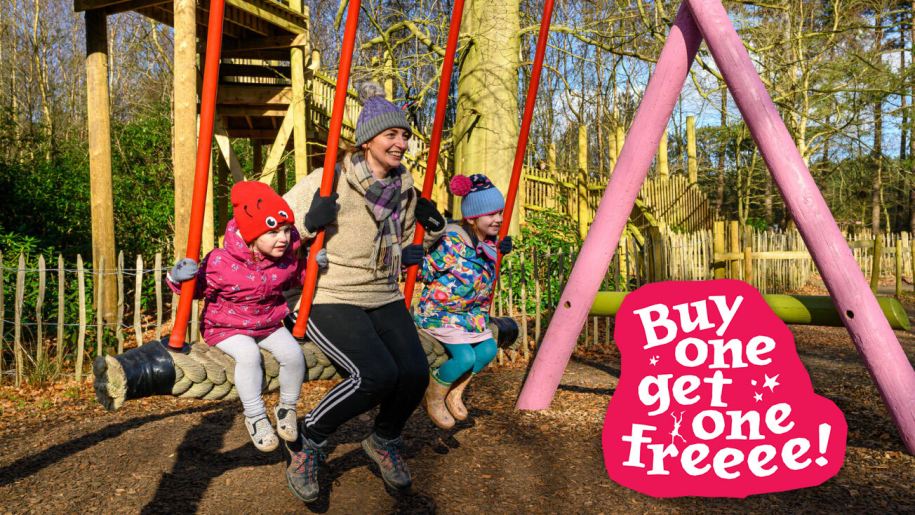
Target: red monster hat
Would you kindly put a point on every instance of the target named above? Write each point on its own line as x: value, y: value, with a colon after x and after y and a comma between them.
x: 258, y: 209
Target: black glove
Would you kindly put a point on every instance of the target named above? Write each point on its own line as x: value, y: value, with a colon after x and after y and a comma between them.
x: 428, y: 216
x: 322, y: 212
x: 184, y: 270
x: 412, y: 255
x: 505, y: 246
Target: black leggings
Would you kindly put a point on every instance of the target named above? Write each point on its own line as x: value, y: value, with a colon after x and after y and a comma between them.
x: 379, y: 354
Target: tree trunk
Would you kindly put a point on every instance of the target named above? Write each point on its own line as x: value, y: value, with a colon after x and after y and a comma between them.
x: 486, y: 124
x: 185, y: 118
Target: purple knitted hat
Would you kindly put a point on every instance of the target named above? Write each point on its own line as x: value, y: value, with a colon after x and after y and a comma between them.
x: 378, y: 114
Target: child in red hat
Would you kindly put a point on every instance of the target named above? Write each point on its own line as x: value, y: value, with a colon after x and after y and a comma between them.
x: 242, y: 284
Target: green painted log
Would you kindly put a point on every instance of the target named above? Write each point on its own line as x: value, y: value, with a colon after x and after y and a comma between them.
x: 791, y: 309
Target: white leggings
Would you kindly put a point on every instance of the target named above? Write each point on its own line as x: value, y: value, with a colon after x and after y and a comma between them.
x: 249, y: 372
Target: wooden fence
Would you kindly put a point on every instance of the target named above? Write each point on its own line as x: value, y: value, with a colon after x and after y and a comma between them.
x: 68, y: 327
x: 71, y: 331
x: 46, y: 336
x: 774, y: 261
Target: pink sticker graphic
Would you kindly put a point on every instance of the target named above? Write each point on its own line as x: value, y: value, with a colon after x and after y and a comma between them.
x: 713, y: 400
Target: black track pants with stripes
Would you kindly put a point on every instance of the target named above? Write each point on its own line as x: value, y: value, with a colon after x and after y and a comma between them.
x: 379, y: 354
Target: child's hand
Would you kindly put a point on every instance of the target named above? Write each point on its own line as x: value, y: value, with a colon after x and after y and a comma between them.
x: 505, y: 246
x: 321, y: 259
x: 412, y: 255
x: 322, y: 212
x: 184, y: 270
x: 428, y: 216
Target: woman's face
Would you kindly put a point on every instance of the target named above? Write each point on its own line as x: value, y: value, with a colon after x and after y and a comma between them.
x: 273, y: 243
x: 385, y: 151
x: 487, y: 226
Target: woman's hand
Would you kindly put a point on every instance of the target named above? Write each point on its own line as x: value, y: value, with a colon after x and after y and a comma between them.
x: 412, y: 255
x: 428, y: 216
x: 322, y: 212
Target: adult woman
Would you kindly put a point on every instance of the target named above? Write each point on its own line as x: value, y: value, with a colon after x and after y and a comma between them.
x: 358, y: 317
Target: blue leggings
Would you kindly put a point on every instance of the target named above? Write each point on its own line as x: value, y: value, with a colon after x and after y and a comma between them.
x: 464, y: 358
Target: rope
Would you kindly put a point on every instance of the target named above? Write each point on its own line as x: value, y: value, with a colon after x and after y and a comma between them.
x: 208, y: 373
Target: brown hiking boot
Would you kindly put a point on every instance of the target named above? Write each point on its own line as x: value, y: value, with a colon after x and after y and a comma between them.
x: 453, y: 400
x: 435, y: 405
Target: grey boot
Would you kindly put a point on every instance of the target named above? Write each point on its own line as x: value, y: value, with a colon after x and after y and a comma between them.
x: 386, y: 454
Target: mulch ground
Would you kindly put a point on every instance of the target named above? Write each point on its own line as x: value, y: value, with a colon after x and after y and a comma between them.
x: 60, y: 452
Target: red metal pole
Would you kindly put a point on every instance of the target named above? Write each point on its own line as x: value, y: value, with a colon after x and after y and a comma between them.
x: 435, y: 141
x: 330, y: 160
x: 525, y: 124
x: 201, y: 171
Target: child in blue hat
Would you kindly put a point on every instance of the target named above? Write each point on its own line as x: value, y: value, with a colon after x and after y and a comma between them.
x: 458, y: 275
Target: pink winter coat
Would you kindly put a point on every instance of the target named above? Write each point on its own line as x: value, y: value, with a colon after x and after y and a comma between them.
x: 244, y: 291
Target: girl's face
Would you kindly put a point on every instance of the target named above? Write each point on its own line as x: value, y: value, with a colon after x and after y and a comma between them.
x: 273, y: 243
x: 487, y: 226
x: 385, y: 151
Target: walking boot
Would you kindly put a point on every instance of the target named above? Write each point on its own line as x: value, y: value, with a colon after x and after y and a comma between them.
x: 435, y: 405
x: 387, y: 455
x: 453, y: 400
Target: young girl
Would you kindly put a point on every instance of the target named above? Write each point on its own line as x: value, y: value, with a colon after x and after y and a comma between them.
x: 459, y: 273
x: 243, y: 285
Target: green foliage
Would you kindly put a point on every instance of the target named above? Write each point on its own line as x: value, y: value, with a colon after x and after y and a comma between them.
x: 45, y: 210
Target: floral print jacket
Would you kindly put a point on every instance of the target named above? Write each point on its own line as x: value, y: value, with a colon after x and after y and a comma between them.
x: 458, y: 284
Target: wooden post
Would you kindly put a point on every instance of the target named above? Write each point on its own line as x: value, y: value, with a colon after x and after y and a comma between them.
x: 552, y: 172
x: 612, y: 151
x: 538, y: 311
x: 584, y: 217
x: 734, y: 248
x: 157, y: 279
x: 60, y: 311
x: 207, y: 241
x: 184, y: 150
x: 718, y: 250
x: 100, y: 188
x: 39, y: 306
x: 620, y: 139
x: 298, y: 105
x: 748, y: 264
x: 118, y: 332
x: 524, y: 349
x: 81, y: 341
x: 898, y: 267
x: 137, y: 306
x: 99, y: 285
x: 692, y: 162
x: 194, y: 329
x: 875, y: 262
x: 911, y: 261
x: 663, y: 166
x: 17, y: 321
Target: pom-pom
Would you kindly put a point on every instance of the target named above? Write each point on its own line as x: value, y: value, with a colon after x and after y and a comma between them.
x: 460, y: 185
x: 368, y: 90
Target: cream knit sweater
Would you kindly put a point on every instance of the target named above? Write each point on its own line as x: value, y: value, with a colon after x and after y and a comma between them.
x: 349, y: 278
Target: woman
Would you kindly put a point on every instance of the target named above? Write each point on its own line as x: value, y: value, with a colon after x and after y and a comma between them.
x: 358, y: 317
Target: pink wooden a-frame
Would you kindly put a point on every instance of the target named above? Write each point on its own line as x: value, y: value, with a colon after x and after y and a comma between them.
x: 869, y: 329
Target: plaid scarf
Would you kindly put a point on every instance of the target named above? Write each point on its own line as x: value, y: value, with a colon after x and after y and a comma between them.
x: 384, y: 200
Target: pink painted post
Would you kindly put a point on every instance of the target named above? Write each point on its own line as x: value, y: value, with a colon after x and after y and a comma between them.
x: 632, y: 167
x: 869, y: 329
